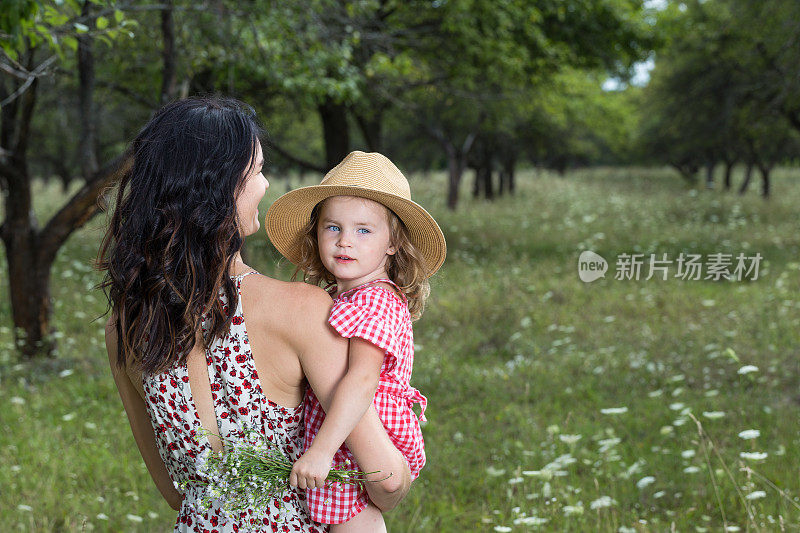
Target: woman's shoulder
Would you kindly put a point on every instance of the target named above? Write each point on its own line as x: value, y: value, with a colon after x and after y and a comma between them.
x: 294, y: 300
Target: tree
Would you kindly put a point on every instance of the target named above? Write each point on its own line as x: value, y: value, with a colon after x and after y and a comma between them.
x: 707, y: 102
x: 37, y: 30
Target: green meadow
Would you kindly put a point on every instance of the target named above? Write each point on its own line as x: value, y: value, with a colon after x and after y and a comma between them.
x: 554, y: 404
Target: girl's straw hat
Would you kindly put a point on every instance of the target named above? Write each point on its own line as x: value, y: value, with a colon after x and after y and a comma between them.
x: 367, y: 175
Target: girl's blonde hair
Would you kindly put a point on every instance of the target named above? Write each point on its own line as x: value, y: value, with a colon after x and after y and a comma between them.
x: 406, y: 267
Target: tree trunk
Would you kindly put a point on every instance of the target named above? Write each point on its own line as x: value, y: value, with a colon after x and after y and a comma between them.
x: 29, y: 281
x: 372, y: 129
x: 728, y: 172
x: 483, y: 181
x: 455, y: 169
x: 765, y: 183
x: 87, y: 153
x: 709, y: 176
x: 507, y: 176
x: 168, y: 77
x: 748, y: 173
x: 335, y: 131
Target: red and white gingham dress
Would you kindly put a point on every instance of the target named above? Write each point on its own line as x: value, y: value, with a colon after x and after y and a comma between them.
x: 379, y: 315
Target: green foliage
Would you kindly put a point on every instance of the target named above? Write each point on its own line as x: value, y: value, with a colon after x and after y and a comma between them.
x: 713, y: 96
x: 27, y: 24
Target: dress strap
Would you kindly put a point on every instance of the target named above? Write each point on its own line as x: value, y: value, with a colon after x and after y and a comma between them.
x: 239, y: 277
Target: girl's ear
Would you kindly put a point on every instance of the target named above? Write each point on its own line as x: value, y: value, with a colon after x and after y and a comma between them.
x: 391, y: 250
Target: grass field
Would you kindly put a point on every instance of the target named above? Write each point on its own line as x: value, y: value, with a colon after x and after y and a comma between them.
x: 555, y: 405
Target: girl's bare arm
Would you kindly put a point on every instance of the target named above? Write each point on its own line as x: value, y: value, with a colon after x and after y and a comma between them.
x: 323, y: 355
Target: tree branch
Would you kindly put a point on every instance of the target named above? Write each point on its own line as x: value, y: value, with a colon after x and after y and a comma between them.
x: 80, y: 208
x: 125, y: 91
x: 29, y: 78
x: 294, y: 159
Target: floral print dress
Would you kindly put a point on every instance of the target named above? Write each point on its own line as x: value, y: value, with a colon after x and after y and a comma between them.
x: 240, y: 405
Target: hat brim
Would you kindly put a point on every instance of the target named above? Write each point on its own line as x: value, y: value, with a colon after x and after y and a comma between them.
x: 290, y: 213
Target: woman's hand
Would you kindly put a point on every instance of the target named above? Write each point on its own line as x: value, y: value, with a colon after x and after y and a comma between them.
x: 311, y: 469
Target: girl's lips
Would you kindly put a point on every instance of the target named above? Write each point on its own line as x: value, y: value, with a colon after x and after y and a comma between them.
x: 343, y: 259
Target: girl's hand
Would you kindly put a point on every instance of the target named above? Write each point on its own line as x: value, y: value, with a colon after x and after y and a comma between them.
x: 311, y: 470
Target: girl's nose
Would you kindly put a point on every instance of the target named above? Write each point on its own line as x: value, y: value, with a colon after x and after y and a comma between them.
x: 343, y: 241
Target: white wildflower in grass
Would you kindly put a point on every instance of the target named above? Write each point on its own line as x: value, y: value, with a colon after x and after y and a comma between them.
x: 666, y: 430
x: 571, y: 510
x: 65, y: 373
x: 645, y: 482
x: 732, y: 528
x: 688, y: 454
x: 756, y: 495
x: 708, y: 303
x: 502, y: 529
x: 23, y: 507
x: 655, y: 393
x: 134, y: 518
x: 677, y: 406
x: 753, y: 456
x: 659, y: 494
x: 614, y: 410
x: 15, y: 468
x: 102, y: 516
x: 515, y: 480
x: 602, y: 502
x: 537, y: 473
x: 16, y: 400
x: 67, y: 417
x: 607, y: 444
x: 530, y: 521
x: 152, y: 515
x: 713, y: 415
x: 495, y: 472
x: 749, y: 434
x: 623, y: 529
x: 91, y: 426
x: 570, y: 439
x: 711, y: 393
x: 747, y: 369
x: 635, y: 468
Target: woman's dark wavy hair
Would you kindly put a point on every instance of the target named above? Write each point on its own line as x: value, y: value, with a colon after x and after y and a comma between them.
x: 173, y: 234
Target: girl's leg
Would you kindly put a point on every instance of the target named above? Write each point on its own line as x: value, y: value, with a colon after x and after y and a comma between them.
x: 370, y: 520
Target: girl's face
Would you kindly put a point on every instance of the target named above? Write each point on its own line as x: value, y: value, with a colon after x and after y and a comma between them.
x: 354, y: 240
x: 255, y: 186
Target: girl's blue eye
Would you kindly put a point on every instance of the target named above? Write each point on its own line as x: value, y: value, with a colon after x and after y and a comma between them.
x: 363, y: 230
x: 333, y: 228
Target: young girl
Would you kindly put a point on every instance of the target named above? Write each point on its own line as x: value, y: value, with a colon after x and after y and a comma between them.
x: 360, y: 233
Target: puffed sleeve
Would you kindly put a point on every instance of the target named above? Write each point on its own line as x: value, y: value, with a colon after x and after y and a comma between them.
x: 370, y: 314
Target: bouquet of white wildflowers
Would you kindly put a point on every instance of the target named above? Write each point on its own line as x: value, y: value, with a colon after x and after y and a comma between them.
x: 251, y: 473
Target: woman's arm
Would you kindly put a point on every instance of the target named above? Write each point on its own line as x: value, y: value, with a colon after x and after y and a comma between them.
x: 140, y: 423
x: 323, y: 355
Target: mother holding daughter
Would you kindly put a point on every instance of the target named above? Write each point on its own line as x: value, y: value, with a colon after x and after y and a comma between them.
x: 198, y: 340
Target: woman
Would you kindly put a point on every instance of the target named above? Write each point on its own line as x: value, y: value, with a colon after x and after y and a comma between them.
x: 197, y: 339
